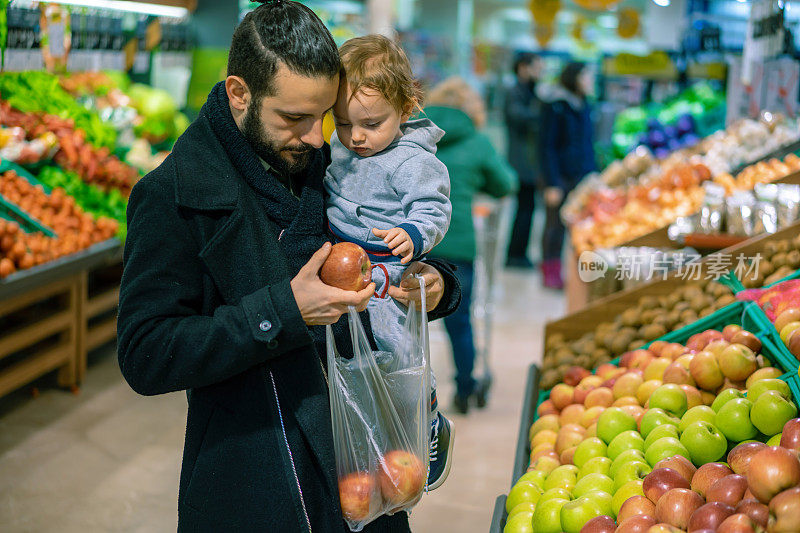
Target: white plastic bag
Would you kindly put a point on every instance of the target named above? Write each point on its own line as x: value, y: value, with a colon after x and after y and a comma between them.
x: 380, y: 407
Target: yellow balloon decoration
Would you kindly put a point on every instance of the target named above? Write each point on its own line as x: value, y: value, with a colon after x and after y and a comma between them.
x: 596, y: 5
x: 628, y: 23
x: 544, y: 11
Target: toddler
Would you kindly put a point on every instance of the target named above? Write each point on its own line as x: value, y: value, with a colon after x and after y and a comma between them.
x: 387, y: 191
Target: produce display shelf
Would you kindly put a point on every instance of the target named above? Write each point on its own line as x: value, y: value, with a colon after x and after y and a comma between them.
x: 779, y: 153
x: 531, y: 401
x: 13, y: 212
x: 6, y: 165
x: 499, y: 515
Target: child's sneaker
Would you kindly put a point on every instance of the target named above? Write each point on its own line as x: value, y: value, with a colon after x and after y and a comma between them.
x: 443, y: 433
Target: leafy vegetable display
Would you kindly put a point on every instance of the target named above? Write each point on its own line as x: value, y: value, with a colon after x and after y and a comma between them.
x: 35, y: 91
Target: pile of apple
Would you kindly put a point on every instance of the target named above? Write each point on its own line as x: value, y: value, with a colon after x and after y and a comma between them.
x: 788, y: 325
x: 643, y: 428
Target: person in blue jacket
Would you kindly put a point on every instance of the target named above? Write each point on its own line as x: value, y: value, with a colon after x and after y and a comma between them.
x: 566, y: 154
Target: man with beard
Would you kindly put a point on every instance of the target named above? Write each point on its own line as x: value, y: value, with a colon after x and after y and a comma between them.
x: 221, y: 296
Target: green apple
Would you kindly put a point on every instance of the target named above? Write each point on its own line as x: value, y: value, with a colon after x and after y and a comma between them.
x: 623, y: 458
x: 663, y: 448
x: 576, y: 513
x: 596, y: 465
x: 733, y: 419
x: 603, y: 499
x: 563, y: 477
x: 774, y: 440
x: 521, y: 522
x: 761, y: 386
x: 627, y: 440
x: 696, y: 414
x: 554, y: 494
x: 655, y: 417
x: 612, y: 422
x: 592, y: 482
x: 521, y: 507
x: 671, y: 398
x: 706, y: 443
x: 724, y: 397
x: 664, y: 430
x: 547, y: 516
x: 588, y: 449
x: 631, y: 472
x: 522, y: 491
x: 771, y: 411
x: 628, y: 490
x: 537, y: 477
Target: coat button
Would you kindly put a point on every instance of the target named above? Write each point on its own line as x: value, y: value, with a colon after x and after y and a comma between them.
x: 272, y: 344
x: 265, y: 325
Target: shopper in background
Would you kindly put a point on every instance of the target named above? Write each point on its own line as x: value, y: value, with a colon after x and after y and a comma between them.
x: 474, y: 167
x: 567, y: 155
x: 522, y: 115
x: 221, y: 295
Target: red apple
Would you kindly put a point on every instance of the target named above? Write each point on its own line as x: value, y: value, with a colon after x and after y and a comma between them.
x: 605, y: 370
x: 790, y: 438
x: 571, y: 414
x: 748, y: 339
x: 402, y: 477
x: 773, y: 470
x: 660, y: 481
x: 785, y: 512
x: 680, y: 464
x: 729, y: 331
x: 347, y: 267
x: 793, y: 343
x: 599, y: 524
x: 627, y: 385
x: 601, y: 396
x: 567, y: 456
x: 575, y: 374
x: 568, y: 437
x: 356, y: 491
x: 676, y: 507
x: 581, y: 392
x: 562, y: 395
x: 728, y: 490
x: 757, y: 511
x: 693, y: 396
x: 636, y: 524
x: 640, y: 359
x: 707, y: 474
x: 546, y: 408
x: 664, y: 528
x: 656, y: 347
x: 737, y: 362
x: 739, y: 458
x: 738, y: 523
x: 677, y: 373
x: 705, y: 371
x: 636, y: 506
x: 787, y: 316
x: 673, y: 350
x: 709, y: 516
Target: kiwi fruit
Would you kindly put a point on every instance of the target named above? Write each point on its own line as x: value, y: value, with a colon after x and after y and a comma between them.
x: 636, y: 344
x: 653, y: 331
x: 630, y: 317
x: 549, y: 379
x: 554, y: 340
x: 698, y: 302
x: 583, y: 361
x: 689, y: 315
x: 724, y: 300
x: 608, y: 340
x: 793, y: 259
x: 648, y: 302
x: 766, y: 267
x: 770, y: 248
x: 682, y: 306
x: 620, y: 344
x: 782, y: 246
x: 779, y: 274
x: 649, y: 316
x: 796, y: 242
x: 778, y: 260
x: 705, y: 312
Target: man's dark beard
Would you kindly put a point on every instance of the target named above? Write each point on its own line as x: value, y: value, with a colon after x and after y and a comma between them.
x: 263, y: 145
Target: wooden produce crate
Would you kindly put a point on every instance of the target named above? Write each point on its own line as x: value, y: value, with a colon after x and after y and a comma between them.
x: 38, y: 334
x: 99, y: 289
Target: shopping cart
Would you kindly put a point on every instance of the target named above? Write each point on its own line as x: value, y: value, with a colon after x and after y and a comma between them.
x: 491, y: 229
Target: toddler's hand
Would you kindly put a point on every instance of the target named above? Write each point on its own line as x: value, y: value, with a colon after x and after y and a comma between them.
x: 399, y: 241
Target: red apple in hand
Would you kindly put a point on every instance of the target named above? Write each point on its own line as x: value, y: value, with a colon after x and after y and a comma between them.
x: 676, y: 507
x: 355, y: 494
x: 402, y: 477
x: 347, y: 267
x: 773, y: 470
x: 709, y: 516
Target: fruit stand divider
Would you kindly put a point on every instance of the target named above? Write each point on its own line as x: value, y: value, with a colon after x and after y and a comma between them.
x: 578, y: 292
x: 743, y: 314
x: 499, y: 515
x: 43, y: 317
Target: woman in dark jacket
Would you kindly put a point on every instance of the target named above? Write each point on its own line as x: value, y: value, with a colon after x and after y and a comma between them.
x: 474, y: 166
x: 567, y: 155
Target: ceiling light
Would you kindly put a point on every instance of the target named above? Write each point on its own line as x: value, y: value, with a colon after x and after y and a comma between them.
x: 131, y: 7
x: 662, y: 3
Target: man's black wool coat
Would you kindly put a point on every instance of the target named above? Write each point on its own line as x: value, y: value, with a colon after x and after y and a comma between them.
x: 206, y: 307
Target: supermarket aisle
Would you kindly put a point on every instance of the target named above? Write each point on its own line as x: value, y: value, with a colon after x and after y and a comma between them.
x: 108, y: 460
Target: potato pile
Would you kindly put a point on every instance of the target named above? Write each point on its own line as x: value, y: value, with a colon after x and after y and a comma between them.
x: 651, y: 318
x: 778, y: 260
